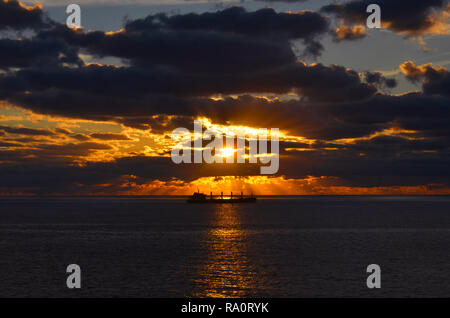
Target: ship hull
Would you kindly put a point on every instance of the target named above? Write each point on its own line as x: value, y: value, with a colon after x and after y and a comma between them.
x: 241, y: 200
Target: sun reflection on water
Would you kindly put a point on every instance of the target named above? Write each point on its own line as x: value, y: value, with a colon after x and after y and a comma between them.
x: 227, y: 271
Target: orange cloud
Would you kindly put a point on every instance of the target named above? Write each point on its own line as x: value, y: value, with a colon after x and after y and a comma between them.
x: 345, y: 32
x: 36, y: 6
x: 415, y: 72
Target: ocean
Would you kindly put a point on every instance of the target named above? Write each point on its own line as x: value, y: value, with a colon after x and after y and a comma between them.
x: 304, y: 246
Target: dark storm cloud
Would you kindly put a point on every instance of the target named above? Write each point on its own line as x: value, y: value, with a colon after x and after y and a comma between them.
x: 48, y: 154
x: 229, y: 40
x: 80, y: 137
x: 317, y: 119
x: 435, y: 80
x: 200, y: 51
x: 35, y: 52
x: 109, y: 136
x: 160, y: 123
x: 376, y: 78
x: 379, y: 161
x: 261, y: 23
x: 7, y: 144
x: 353, y: 169
x: 411, y: 112
x: 227, y: 52
x: 410, y: 17
x: 150, y: 91
x: 75, y: 179
x: 426, y: 114
x: 26, y: 131
x: 437, y: 83
x: 70, y: 149
x: 30, y: 50
x: 14, y: 15
x: 389, y: 145
x: 313, y: 49
x: 325, y: 114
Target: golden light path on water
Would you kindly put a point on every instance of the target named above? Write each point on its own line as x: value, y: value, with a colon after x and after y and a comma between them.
x: 227, y: 271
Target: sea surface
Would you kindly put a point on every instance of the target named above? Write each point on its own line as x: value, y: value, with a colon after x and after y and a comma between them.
x: 278, y: 247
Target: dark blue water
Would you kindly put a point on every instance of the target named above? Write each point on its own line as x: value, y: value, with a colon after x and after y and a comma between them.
x: 278, y: 247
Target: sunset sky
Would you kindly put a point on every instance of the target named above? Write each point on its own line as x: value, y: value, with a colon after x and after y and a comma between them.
x: 90, y: 111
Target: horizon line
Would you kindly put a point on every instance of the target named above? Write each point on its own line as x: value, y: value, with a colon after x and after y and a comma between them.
x: 186, y: 195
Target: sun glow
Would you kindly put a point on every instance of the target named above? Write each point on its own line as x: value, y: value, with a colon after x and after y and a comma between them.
x: 227, y: 152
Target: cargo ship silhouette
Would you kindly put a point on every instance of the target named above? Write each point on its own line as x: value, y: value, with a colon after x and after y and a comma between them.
x: 198, y: 197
